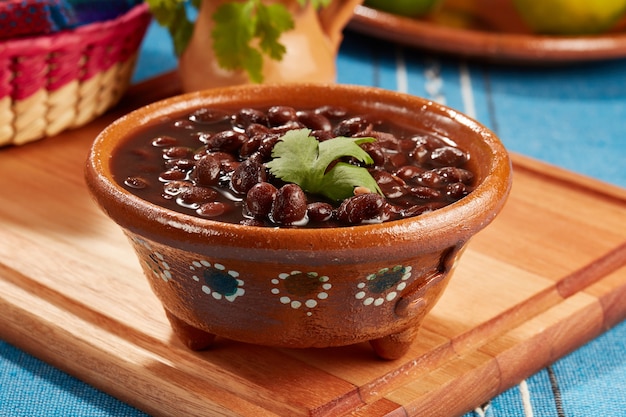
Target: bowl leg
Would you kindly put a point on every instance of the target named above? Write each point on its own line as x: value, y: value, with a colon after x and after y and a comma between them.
x: 192, y: 337
x: 395, y: 345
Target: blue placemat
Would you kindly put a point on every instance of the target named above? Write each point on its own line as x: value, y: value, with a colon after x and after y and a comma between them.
x: 589, y: 382
x: 31, y: 388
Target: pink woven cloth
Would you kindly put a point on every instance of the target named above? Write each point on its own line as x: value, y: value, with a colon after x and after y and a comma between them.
x: 34, y: 17
x: 21, y: 18
x: 51, y: 61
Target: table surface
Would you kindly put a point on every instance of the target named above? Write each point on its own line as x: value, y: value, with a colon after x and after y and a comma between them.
x: 572, y: 116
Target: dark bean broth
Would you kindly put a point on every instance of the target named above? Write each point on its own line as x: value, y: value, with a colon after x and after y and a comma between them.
x: 210, y: 163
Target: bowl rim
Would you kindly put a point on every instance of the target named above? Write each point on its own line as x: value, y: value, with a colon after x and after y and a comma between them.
x: 477, y: 208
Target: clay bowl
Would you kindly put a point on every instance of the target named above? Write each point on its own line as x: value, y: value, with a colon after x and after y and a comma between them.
x: 372, y: 282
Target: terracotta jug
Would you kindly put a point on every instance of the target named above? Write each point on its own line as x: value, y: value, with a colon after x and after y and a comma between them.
x: 311, y: 46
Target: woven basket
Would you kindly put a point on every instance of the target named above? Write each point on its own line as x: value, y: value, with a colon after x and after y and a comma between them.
x: 56, y: 82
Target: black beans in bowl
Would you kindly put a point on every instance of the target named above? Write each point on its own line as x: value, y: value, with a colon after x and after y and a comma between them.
x: 214, y: 163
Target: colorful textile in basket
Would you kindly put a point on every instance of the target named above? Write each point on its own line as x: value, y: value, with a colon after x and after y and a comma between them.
x: 88, y: 11
x: 62, y: 80
x: 20, y: 18
x: 34, y: 17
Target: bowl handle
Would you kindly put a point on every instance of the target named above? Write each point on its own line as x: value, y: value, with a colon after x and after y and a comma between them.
x: 412, y: 303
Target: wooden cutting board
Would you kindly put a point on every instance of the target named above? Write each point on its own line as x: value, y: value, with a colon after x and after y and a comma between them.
x: 548, y: 275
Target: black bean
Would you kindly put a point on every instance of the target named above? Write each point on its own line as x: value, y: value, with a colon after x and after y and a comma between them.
x: 425, y: 193
x: 314, y: 121
x: 247, y: 116
x: 456, y: 191
x: 351, y: 126
x: 360, y: 208
x: 289, y: 206
x: 137, y: 183
x: 409, y: 172
x: 428, y: 141
x: 395, y: 211
x: 421, y: 209
x: 267, y: 145
x: 448, y: 156
x: 208, y: 170
x: 248, y: 173
x: 226, y: 140
x: 250, y: 146
x: 259, y: 199
x: 178, y: 152
x: 421, y: 155
x: 223, y: 157
x: 193, y: 197
x: 208, y: 116
x: 430, y: 179
x: 374, y: 150
x: 212, y: 209
x: 322, y: 135
x: 280, y: 115
x: 287, y: 126
x: 256, y: 129
x: 174, y: 188
x: 204, y: 137
x: 252, y: 222
x: 200, y: 152
x: 229, y: 166
x: 398, y: 160
x: 172, y: 174
x: 405, y: 145
x: 390, y: 185
x: 332, y: 112
x: 385, y: 140
x: 319, y: 211
x: 184, y: 164
x: 454, y: 174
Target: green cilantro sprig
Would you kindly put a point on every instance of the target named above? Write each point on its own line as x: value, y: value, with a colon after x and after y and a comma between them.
x: 172, y: 15
x: 244, y: 31
x: 300, y: 158
x: 238, y: 24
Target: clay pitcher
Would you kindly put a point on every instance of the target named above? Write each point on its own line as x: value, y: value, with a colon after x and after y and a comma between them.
x: 311, y: 48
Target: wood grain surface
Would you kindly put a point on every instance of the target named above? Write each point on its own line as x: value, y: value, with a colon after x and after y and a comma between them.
x: 546, y: 276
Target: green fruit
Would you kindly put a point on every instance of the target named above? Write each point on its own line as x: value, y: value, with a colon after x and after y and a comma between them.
x: 570, y: 17
x: 411, y: 8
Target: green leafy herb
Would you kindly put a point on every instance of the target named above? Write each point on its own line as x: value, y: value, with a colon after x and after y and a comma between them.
x: 243, y: 31
x: 172, y: 15
x: 300, y: 158
x: 238, y: 24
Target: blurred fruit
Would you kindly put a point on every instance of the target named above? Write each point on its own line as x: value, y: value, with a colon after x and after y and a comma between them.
x: 570, y: 17
x: 411, y: 8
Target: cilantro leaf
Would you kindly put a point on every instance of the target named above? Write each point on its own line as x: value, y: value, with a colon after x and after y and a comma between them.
x: 293, y: 152
x: 238, y: 25
x: 273, y: 20
x: 172, y: 15
x: 232, y: 34
x: 301, y: 159
x: 243, y: 31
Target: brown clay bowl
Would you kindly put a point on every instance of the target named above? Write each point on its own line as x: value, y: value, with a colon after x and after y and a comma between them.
x: 372, y: 282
